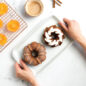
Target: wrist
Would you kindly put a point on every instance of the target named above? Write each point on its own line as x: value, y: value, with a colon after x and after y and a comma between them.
x: 81, y: 39
x: 35, y: 83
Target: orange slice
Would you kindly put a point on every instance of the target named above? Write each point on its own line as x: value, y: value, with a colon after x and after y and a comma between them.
x: 1, y: 23
x: 3, y: 39
x: 3, y: 9
x: 13, y: 25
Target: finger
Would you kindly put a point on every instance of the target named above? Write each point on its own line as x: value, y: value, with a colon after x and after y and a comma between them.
x: 66, y: 21
x: 63, y: 26
x: 17, y: 67
x: 23, y: 65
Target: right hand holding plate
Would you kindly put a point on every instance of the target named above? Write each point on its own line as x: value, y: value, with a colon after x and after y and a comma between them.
x: 72, y: 28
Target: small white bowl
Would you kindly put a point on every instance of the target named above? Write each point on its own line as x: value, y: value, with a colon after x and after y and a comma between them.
x: 34, y: 7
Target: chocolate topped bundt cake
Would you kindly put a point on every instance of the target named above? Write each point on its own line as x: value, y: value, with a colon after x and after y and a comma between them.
x: 34, y: 53
x: 53, y: 36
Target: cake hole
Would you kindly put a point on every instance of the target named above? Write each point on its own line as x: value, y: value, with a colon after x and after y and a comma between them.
x: 34, y: 53
x: 54, y: 35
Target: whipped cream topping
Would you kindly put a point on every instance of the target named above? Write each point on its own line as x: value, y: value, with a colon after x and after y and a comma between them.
x: 48, y: 37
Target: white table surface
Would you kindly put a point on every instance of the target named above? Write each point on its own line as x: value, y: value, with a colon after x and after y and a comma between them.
x: 69, y: 69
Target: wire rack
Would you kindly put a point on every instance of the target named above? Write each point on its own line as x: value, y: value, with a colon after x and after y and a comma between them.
x: 11, y: 14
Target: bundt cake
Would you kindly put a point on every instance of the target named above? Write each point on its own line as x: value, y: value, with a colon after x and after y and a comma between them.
x: 53, y: 36
x: 34, y: 53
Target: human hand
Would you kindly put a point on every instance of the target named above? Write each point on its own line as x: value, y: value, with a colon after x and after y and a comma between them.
x: 25, y: 73
x: 72, y: 28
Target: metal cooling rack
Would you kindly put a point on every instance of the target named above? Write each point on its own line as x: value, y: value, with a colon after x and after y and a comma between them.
x: 11, y: 14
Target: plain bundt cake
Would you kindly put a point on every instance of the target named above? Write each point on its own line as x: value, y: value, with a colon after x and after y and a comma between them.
x: 53, y: 36
x: 34, y: 53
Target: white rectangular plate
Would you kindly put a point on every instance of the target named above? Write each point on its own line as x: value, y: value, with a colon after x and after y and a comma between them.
x: 36, y: 35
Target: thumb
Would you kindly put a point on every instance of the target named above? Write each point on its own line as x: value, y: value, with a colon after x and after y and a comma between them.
x: 66, y: 21
x: 23, y: 65
x: 17, y: 67
x: 63, y: 26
